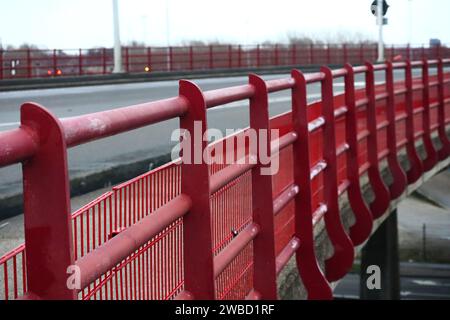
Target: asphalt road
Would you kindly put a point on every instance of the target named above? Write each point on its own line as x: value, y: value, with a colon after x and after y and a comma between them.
x: 412, y: 288
x: 139, y: 144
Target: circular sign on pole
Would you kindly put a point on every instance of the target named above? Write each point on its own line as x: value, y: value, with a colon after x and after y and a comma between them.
x: 374, y: 7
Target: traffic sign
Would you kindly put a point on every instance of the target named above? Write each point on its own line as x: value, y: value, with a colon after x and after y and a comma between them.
x: 374, y: 7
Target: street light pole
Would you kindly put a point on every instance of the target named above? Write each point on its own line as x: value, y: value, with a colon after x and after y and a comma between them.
x: 169, y: 58
x: 117, y: 45
x: 380, y: 31
x: 410, y: 21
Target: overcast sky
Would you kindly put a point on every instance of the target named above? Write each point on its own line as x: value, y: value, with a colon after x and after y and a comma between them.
x: 88, y: 23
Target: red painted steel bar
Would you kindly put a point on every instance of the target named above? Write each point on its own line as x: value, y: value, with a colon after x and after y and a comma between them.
x: 17, y: 145
x: 287, y: 253
x: 382, y: 199
x: 264, y: 267
x: 312, y: 276
x: 82, y: 129
x: 219, y: 97
x: 400, y: 180
x: 431, y: 158
x: 227, y: 255
x: 195, y: 183
x: 341, y: 262
x: 362, y: 228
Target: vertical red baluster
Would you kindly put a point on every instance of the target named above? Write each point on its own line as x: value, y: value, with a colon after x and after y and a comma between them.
x: 1, y: 64
x: 55, y: 62
x: 191, y: 58
x: 127, y: 59
x: 432, y: 158
x: 341, y: 262
x: 211, y: 58
x: 294, y: 54
x: 362, y: 228
x: 345, y: 54
x: 328, y: 54
x: 382, y: 196
x: 258, y: 56
x: 104, y: 60
x: 29, y: 64
x: 400, y: 180
x: 171, y: 64
x: 149, y: 57
x: 80, y: 62
x: 264, y: 274
x: 416, y: 167
x: 314, y: 280
x: 444, y: 152
x: 277, y: 58
x: 239, y: 56
x: 311, y: 53
x: 361, y: 53
x: 230, y: 58
x: 48, y: 228
x: 198, y: 258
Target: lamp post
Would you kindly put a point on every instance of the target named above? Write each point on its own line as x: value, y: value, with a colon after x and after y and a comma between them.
x: 117, y: 45
x: 380, y: 30
x: 169, y: 57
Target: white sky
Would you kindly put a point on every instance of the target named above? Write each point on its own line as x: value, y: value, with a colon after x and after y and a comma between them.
x: 88, y: 23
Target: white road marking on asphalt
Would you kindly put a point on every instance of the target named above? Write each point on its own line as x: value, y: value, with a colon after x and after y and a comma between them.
x: 4, y: 225
x: 422, y: 294
x: 9, y: 124
x: 425, y: 282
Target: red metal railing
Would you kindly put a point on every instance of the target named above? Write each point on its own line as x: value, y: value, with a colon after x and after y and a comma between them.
x: 223, y: 231
x: 33, y: 63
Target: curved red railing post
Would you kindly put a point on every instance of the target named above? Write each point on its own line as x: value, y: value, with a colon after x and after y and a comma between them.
x: 362, y: 228
x: 264, y: 266
x: 47, y: 214
x: 341, y: 262
x: 432, y: 158
x: 444, y: 152
x: 382, y: 196
x: 314, y: 280
x: 400, y: 181
x: 416, y: 167
x: 197, y: 237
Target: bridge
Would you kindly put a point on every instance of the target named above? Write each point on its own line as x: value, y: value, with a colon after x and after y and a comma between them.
x: 215, y: 230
